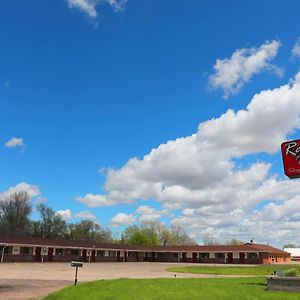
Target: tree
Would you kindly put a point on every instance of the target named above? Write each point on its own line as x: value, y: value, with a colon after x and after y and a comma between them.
x: 154, y: 233
x: 87, y: 230
x: 134, y: 235
x: 14, y: 214
x: 180, y: 237
x: 50, y: 224
x: 289, y: 245
x: 210, y: 240
x: 235, y: 242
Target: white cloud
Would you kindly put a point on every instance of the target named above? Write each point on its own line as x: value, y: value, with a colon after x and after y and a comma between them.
x: 65, y: 214
x: 85, y: 215
x: 32, y: 190
x: 92, y: 200
x: 89, y: 7
x: 231, y: 74
x: 122, y: 219
x: 296, y: 50
x: 199, y: 175
x: 148, y: 213
x: 15, y: 142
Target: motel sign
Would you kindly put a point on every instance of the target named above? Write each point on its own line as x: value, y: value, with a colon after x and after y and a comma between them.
x: 291, y: 158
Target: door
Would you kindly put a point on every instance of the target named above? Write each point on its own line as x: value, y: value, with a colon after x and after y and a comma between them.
x: 118, y: 256
x: 50, y: 254
x: 242, y: 257
x: 184, y: 257
x: 84, y: 254
x: 194, y: 257
x: 38, y: 254
x: 93, y: 258
x: 153, y: 256
x: 230, y: 258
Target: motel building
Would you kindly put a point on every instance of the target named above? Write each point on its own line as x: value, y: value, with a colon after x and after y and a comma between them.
x: 29, y: 249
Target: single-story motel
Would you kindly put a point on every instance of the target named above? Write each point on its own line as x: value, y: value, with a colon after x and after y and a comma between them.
x: 29, y: 249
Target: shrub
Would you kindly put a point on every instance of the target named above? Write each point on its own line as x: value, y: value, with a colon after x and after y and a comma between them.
x: 290, y: 273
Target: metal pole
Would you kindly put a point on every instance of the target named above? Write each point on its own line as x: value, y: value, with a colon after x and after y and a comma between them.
x: 76, y: 271
x: 2, y: 255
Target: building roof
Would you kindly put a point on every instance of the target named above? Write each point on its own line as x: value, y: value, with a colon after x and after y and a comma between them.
x: 36, y: 241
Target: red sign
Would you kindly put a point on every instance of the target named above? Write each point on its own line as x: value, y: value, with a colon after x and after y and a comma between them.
x: 291, y: 158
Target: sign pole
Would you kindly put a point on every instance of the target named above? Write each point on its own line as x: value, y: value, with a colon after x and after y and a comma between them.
x: 75, y: 282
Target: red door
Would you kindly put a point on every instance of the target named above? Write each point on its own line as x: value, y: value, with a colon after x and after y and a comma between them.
x: 230, y: 258
x: 38, y: 254
x: 153, y: 256
x: 93, y: 258
x: 84, y: 254
x: 50, y: 254
x: 242, y: 257
x: 194, y: 257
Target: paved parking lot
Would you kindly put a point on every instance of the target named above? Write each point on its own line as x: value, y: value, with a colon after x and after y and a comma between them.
x: 20, y: 281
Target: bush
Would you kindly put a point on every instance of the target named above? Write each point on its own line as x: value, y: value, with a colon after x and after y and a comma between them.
x: 290, y: 273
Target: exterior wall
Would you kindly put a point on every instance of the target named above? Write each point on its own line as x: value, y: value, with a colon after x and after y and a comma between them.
x: 60, y: 254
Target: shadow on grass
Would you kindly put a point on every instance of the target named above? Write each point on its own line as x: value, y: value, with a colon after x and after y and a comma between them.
x: 254, y: 283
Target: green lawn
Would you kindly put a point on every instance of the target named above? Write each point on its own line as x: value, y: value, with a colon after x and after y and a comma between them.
x: 173, y: 288
x: 256, y: 270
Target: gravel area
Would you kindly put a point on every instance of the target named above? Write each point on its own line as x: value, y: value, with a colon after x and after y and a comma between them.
x: 33, y: 280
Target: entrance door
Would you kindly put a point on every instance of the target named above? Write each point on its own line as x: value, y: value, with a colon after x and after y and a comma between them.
x: 84, y: 255
x: 93, y: 258
x: 184, y: 257
x: 50, y: 254
x: 230, y: 258
x: 118, y: 256
x: 194, y: 257
x: 242, y: 257
x: 153, y: 256
x: 38, y: 254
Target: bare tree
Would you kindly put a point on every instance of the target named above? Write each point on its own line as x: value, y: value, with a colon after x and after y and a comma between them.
x: 14, y: 214
x: 210, y: 240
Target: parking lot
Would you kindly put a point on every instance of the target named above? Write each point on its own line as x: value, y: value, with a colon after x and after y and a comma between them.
x: 32, y: 280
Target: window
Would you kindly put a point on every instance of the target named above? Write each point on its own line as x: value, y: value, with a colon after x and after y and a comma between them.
x: 7, y: 250
x: 59, y: 251
x: 26, y: 250
x: 100, y: 253
x: 75, y: 252
x: 220, y: 255
x: 112, y: 253
x: 252, y: 255
x: 204, y: 255
x: 175, y: 255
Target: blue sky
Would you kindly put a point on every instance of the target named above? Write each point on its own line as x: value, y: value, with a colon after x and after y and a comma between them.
x: 88, y: 88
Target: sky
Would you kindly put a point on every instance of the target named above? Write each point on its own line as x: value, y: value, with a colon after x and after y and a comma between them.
x: 123, y: 111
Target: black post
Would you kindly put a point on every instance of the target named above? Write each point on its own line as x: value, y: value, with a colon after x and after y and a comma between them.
x: 76, y: 275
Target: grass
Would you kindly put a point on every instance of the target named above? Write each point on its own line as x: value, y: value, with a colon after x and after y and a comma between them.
x: 172, y: 289
x: 256, y: 270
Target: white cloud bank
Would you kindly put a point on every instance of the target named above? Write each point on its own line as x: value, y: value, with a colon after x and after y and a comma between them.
x: 296, y: 50
x: 32, y: 190
x: 15, y: 142
x: 231, y: 74
x: 197, y: 174
x: 65, y: 214
x: 122, y: 219
x: 89, y: 7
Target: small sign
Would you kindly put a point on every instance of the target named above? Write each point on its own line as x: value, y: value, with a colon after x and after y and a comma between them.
x: 77, y: 264
x: 291, y: 158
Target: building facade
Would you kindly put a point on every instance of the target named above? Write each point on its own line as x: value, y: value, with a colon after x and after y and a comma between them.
x: 28, y: 249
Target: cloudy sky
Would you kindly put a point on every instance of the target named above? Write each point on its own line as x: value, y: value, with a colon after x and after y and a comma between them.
x: 122, y: 111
